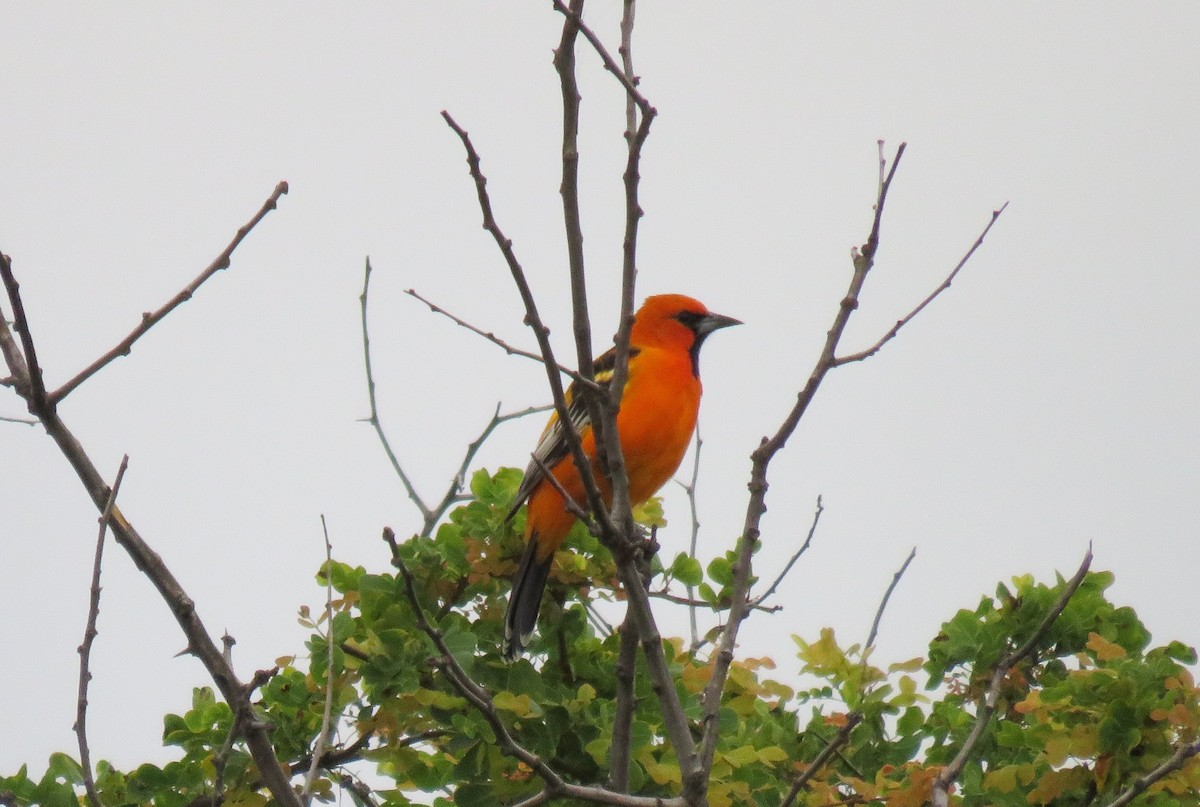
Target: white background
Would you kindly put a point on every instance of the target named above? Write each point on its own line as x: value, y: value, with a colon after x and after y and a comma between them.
x: 1048, y: 400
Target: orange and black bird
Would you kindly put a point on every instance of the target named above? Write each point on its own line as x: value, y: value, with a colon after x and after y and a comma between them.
x: 654, y: 424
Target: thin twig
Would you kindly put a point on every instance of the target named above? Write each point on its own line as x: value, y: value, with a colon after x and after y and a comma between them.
x: 573, y: 507
x: 327, y: 714
x: 690, y: 489
x: 715, y: 608
x: 466, y: 686
x: 460, y: 477
x: 987, y: 703
x: 220, y: 758
x: 761, y: 457
x: 610, y: 64
x: 200, y: 643
x: 900, y: 323
x: 812, y: 529
x: 887, y: 595
x: 828, y: 751
x: 150, y: 319
x: 628, y: 13
x: 89, y: 635
x: 534, y: 321
x: 509, y: 349
x: 373, y: 419
x: 22, y: 421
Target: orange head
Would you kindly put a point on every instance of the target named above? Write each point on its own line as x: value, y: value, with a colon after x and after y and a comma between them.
x: 675, y: 321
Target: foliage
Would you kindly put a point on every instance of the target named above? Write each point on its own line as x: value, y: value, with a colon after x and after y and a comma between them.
x: 1094, y: 708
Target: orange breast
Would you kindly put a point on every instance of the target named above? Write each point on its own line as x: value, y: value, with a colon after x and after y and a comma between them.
x: 655, y: 423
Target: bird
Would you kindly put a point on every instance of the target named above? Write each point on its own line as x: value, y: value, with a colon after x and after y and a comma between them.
x: 655, y: 422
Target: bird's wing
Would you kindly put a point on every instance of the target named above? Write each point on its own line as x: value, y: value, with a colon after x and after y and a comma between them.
x: 553, y: 445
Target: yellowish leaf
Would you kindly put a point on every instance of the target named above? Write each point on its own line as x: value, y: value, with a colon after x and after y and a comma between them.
x: 1103, y: 648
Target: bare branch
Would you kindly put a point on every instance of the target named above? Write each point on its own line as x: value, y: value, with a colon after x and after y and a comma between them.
x: 150, y: 319
x: 534, y: 321
x: 626, y: 52
x: 900, y: 323
x: 693, y: 603
x: 327, y: 715
x: 987, y: 704
x: 460, y: 476
x: 564, y: 65
x: 887, y: 595
x: 690, y: 489
x: 24, y: 366
x: 610, y: 64
x: 812, y: 529
x: 575, y: 376
x: 89, y: 636
x: 200, y: 643
x: 573, y: 507
x: 373, y: 419
x: 22, y: 421
x: 761, y: 458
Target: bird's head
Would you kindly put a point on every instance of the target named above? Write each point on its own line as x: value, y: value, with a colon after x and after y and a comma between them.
x: 676, y: 321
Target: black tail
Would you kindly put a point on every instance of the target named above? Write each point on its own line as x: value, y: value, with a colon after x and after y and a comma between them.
x: 525, y: 600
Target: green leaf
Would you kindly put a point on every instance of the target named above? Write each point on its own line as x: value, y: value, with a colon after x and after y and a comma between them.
x: 687, y: 570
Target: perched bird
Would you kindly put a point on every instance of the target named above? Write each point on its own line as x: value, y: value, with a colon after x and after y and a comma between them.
x: 655, y: 424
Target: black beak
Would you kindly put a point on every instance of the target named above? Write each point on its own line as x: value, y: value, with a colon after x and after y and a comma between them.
x: 711, y: 322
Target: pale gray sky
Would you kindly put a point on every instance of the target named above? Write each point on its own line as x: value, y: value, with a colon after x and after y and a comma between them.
x: 1049, y: 399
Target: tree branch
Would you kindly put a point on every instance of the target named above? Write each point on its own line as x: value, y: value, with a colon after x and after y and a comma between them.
x: 831, y: 748
x: 150, y: 319
x: 327, y: 713
x: 575, y: 376
x: 690, y: 489
x: 534, y: 321
x: 761, y: 458
x: 987, y: 704
x: 373, y: 419
x: 887, y: 595
x: 812, y: 529
x: 900, y: 323
x: 200, y: 643
x: 1172, y: 764
x: 27, y: 373
x: 89, y: 635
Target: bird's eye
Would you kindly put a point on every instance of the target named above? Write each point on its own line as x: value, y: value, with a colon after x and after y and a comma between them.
x: 689, y: 318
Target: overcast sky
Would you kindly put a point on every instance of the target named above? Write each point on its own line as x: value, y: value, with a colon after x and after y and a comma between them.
x: 1047, y: 400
